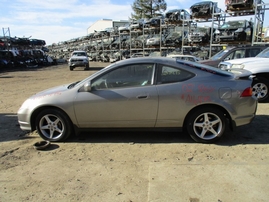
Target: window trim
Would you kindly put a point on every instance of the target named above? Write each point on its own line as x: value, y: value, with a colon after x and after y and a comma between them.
x: 122, y: 66
x: 159, y: 72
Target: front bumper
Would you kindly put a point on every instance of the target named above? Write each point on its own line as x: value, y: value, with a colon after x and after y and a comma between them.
x: 24, y: 120
x: 77, y: 63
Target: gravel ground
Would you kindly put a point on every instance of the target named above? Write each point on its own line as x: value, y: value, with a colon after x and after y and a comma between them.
x: 121, y: 166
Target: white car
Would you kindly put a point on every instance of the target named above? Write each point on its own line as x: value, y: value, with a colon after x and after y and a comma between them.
x: 259, y: 67
x: 78, y: 59
x: 184, y: 57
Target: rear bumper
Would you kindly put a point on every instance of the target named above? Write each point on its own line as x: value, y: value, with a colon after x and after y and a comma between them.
x: 247, y: 118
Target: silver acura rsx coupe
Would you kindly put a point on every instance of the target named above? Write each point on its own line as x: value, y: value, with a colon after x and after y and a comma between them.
x: 145, y: 93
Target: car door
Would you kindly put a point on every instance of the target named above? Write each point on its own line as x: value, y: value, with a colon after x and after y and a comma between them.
x: 173, y: 85
x: 123, y: 97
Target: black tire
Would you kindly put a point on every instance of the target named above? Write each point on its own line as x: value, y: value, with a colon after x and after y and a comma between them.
x: 206, y: 124
x: 260, y: 89
x: 71, y: 68
x: 53, y: 125
x: 87, y: 67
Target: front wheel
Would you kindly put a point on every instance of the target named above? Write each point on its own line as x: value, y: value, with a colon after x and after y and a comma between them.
x: 260, y: 88
x: 87, y: 67
x: 53, y: 125
x: 206, y: 125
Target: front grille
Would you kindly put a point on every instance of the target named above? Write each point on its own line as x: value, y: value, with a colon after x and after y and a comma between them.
x: 76, y: 60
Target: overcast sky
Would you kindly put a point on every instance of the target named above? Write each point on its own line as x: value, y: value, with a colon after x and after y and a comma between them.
x: 60, y: 20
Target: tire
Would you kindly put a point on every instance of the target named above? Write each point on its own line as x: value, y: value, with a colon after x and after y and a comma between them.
x: 260, y: 89
x: 87, y: 67
x: 206, y: 125
x: 71, y: 68
x: 53, y: 125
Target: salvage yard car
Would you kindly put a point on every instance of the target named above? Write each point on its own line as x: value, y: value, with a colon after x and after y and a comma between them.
x: 259, y: 66
x: 236, y: 31
x: 204, y: 9
x: 244, y: 6
x: 232, y: 52
x: 199, y: 35
x: 177, y: 16
x: 144, y: 93
x: 78, y: 59
x: 184, y: 57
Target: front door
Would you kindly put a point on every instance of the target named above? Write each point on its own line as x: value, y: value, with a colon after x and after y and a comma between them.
x: 124, y: 97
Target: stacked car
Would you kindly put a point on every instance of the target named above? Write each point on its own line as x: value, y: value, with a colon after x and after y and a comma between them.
x: 178, y: 29
x: 23, y: 52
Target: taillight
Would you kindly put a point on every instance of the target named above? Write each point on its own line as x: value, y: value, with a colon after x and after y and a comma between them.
x: 247, y: 92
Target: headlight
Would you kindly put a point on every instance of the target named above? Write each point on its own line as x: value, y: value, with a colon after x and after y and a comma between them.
x: 239, y: 66
x: 223, y: 67
x: 239, y: 30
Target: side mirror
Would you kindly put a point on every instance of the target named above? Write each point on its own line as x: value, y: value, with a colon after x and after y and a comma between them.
x: 88, y: 86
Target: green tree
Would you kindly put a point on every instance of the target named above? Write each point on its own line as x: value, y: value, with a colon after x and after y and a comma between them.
x: 147, y: 9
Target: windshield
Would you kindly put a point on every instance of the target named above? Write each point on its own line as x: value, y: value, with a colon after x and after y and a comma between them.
x: 155, y: 54
x: 200, y: 29
x: 79, y: 54
x: 219, y: 55
x: 233, y: 25
x: 264, y: 53
x: 174, y: 35
x: 91, y: 76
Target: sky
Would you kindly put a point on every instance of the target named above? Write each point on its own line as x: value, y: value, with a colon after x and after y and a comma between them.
x: 60, y: 20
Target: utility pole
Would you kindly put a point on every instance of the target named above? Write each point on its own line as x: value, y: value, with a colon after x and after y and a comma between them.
x: 6, y: 34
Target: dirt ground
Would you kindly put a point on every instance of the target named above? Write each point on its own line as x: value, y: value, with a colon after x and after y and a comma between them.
x: 121, y: 166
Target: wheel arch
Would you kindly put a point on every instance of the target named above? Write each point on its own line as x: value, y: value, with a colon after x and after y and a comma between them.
x: 264, y: 75
x: 38, y: 110
x: 222, y: 109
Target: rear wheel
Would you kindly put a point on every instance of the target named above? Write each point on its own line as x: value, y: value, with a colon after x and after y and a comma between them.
x: 206, y: 125
x: 260, y: 89
x: 53, y: 125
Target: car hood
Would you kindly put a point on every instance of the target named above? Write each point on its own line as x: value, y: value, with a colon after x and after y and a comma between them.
x: 254, y: 64
x: 78, y: 57
x: 52, y: 92
x: 250, y: 61
x: 56, y: 95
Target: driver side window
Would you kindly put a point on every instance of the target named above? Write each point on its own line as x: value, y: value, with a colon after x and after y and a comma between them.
x: 126, y: 76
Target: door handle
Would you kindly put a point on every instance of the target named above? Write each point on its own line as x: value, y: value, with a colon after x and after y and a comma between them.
x: 142, y: 96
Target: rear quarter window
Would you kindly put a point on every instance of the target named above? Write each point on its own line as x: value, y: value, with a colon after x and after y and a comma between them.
x: 168, y: 74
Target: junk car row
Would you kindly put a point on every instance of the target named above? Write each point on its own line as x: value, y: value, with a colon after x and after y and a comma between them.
x: 174, y: 29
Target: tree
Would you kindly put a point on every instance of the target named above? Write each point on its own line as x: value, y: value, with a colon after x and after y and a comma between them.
x: 147, y: 9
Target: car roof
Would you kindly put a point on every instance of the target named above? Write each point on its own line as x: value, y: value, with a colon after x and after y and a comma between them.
x: 173, y: 62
